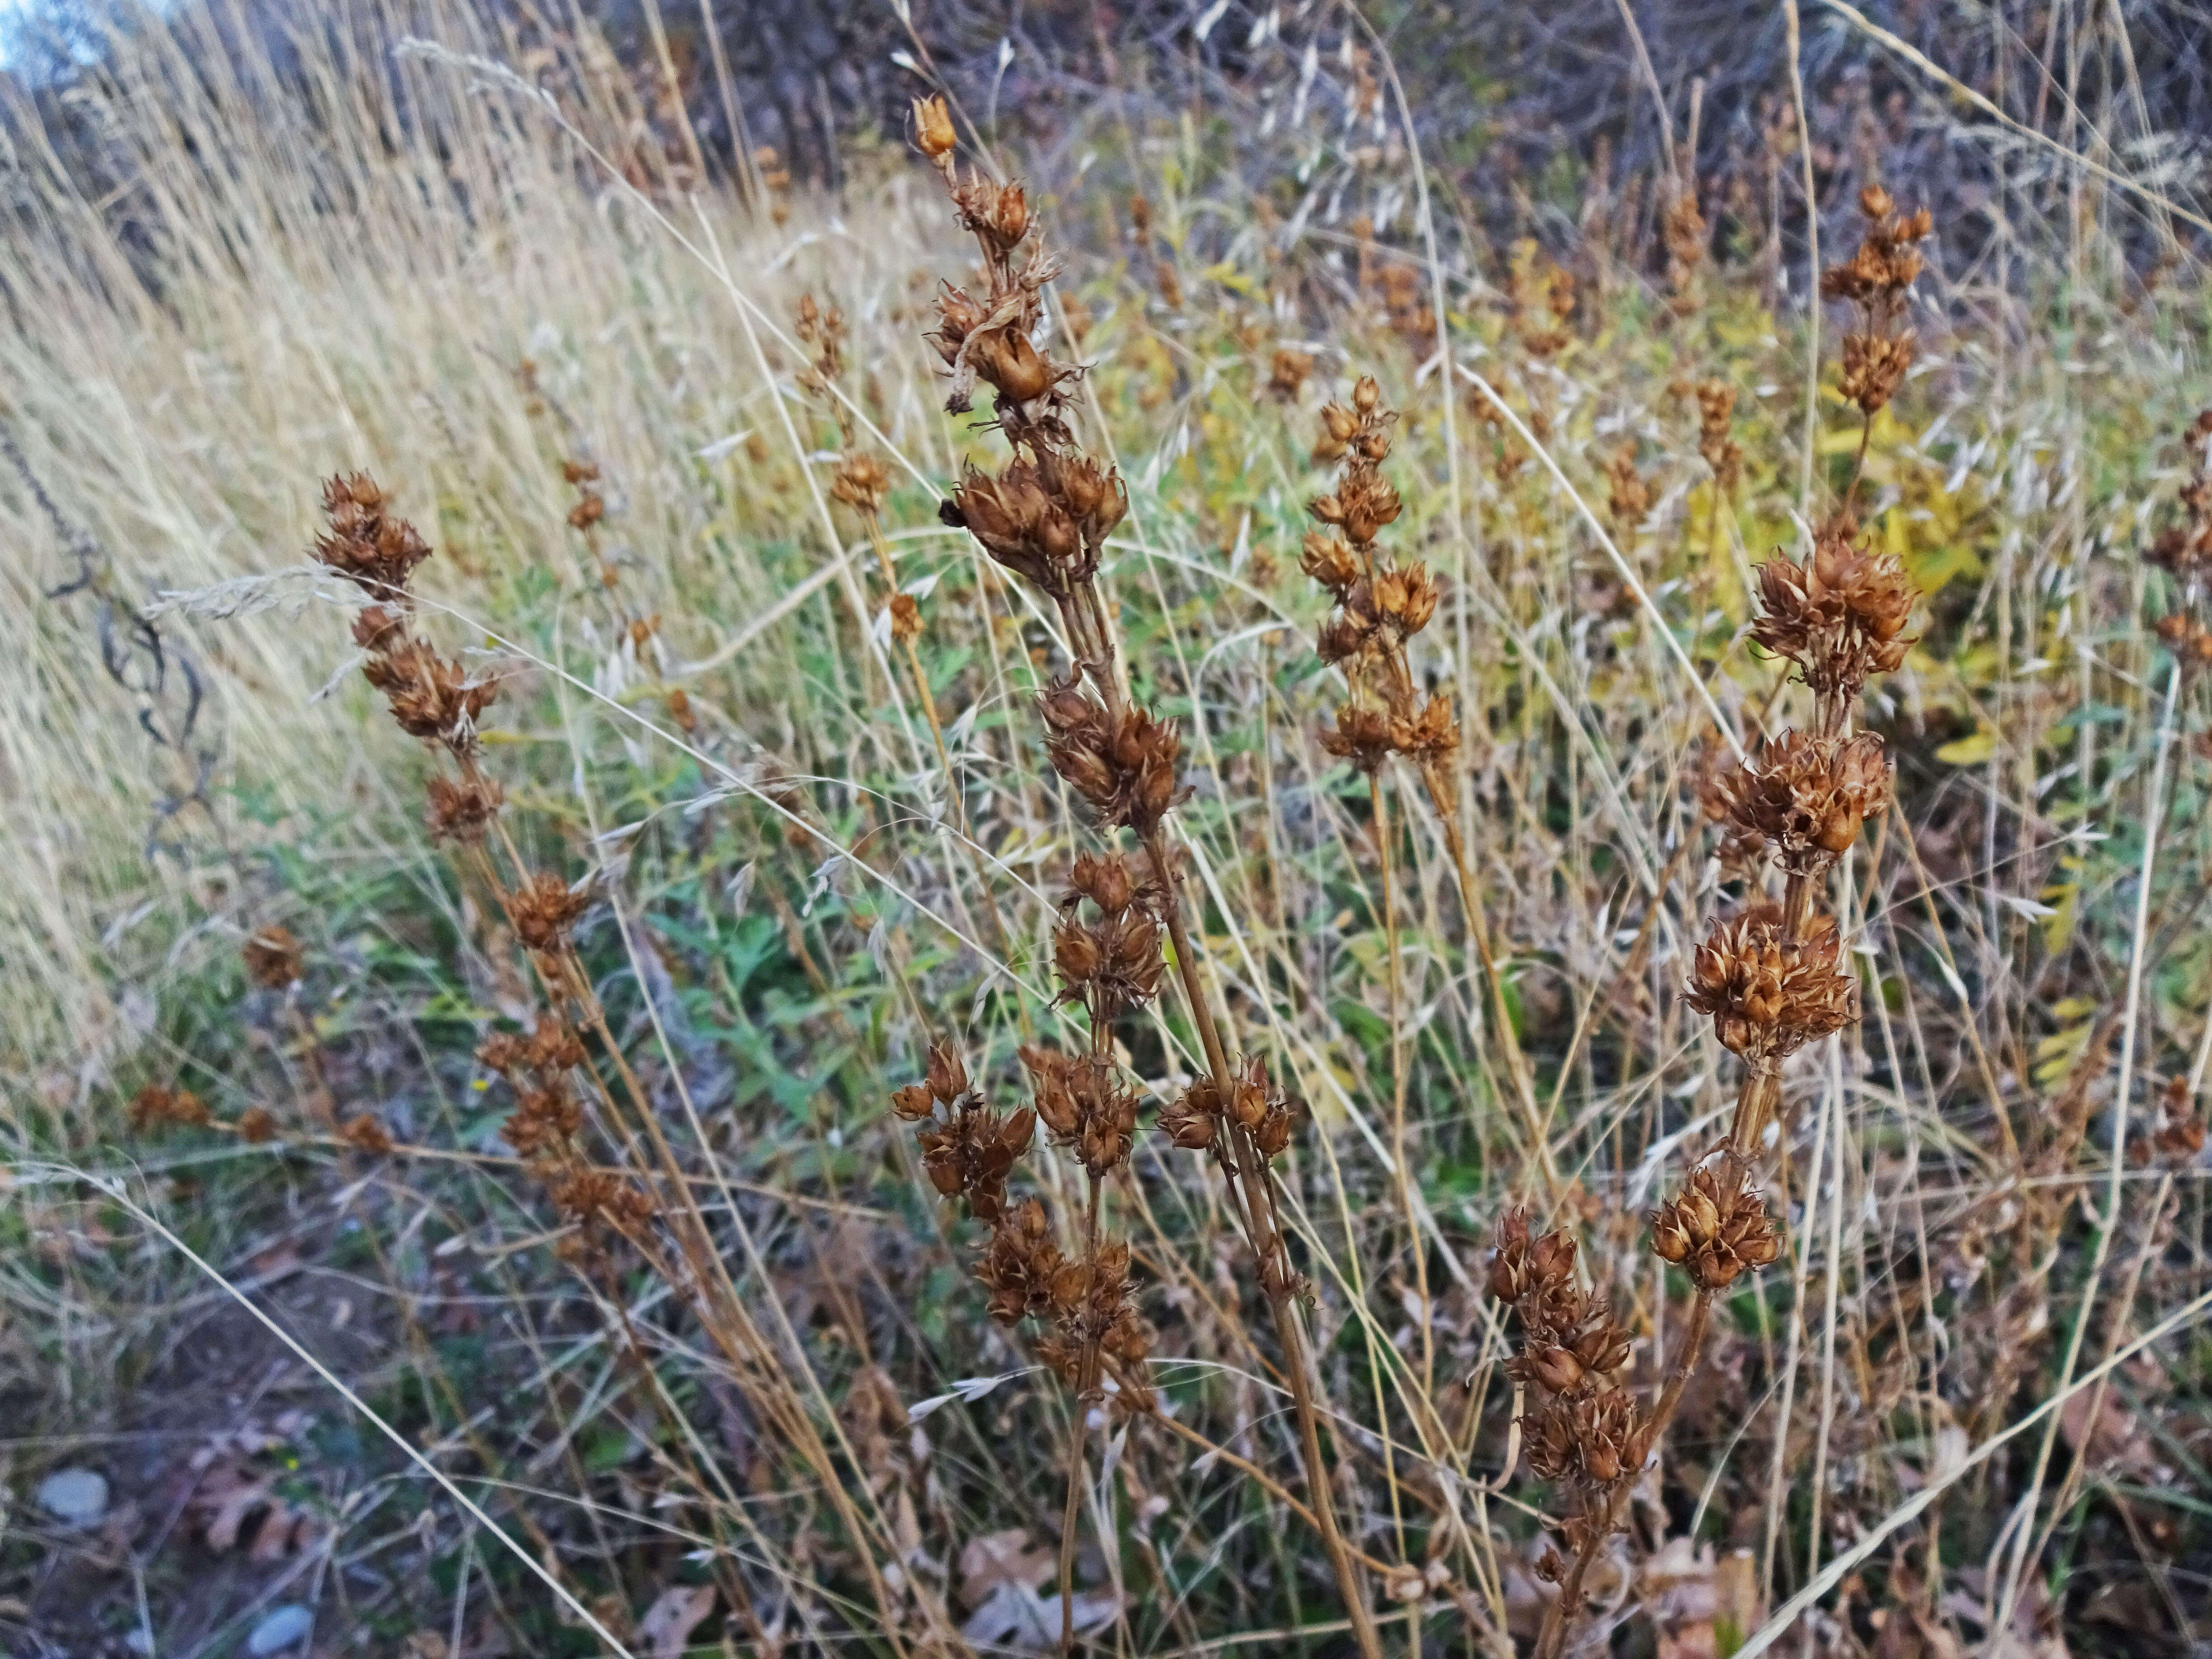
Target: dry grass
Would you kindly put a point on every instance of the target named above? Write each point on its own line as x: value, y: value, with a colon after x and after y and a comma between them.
x: 566, y: 1146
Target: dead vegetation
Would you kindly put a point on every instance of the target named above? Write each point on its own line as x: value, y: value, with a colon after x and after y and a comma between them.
x: 842, y: 1017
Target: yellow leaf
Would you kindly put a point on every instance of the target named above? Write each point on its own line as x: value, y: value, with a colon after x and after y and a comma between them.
x: 1969, y: 751
x: 1229, y: 277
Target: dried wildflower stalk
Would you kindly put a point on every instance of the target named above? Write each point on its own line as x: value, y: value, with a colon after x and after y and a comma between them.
x: 565, y: 1101
x: 1106, y: 950
x: 1380, y: 606
x: 1771, y: 976
x: 860, y: 483
x: 2184, y: 551
x: 1045, y: 517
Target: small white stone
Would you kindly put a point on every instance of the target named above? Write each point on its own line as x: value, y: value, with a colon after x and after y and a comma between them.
x: 76, y: 1497
x: 281, y: 1628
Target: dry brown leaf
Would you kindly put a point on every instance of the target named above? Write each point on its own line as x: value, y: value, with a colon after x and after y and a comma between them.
x: 232, y: 1508
x: 2115, y: 1438
x: 678, y: 1611
x: 993, y: 1558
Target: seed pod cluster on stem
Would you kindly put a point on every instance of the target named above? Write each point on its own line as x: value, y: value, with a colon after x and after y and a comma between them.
x: 1044, y: 518
x: 1772, y: 977
x: 2184, y: 551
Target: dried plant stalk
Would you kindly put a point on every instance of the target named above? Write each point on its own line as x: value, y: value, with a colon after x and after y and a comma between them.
x: 645, y: 1198
x: 1771, y: 976
x: 1045, y: 517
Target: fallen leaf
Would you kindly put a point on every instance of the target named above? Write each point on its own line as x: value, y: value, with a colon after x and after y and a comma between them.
x: 2116, y: 1439
x: 678, y: 1611
x: 1015, y: 1616
x: 231, y: 1507
x: 995, y: 1559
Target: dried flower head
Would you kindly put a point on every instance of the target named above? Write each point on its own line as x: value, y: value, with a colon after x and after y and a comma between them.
x: 544, y: 908
x: 366, y: 544
x: 432, y: 697
x: 1580, y: 1429
x: 1590, y: 1439
x: 1683, y: 228
x: 157, y: 1107
x: 596, y: 1198
x: 1876, y: 279
x: 255, y: 1125
x: 1770, y: 992
x: 1046, y: 521
x: 967, y: 1150
x: 861, y: 482
x: 1287, y: 373
x: 1716, y: 409
x: 366, y: 1133
x: 1082, y: 1100
x: 1840, y: 615
x: 1019, y: 1264
x: 2186, y: 549
x: 1540, y: 299
x: 1716, y: 1229
x: 1628, y: 497
x: 1361, y: 735
x: 1803, y: 799
x: 1124, y: 765
x: 1110, y: 962
x: 461, y: 809
x: 933, y: 134
x: 543, y: 1121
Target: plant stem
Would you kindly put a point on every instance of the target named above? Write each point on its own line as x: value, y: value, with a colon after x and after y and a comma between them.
x: 1478, y: 927
x: 1276, y: 1277
x: 1087, y: 1383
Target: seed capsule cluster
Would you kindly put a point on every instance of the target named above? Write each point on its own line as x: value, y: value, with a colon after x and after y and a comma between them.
x: 969, y: 1152
x: 1580, y: 1428
x: 1380, y: 605
x: 2184, y: 550
x: 1774, y: 975
x: 1716, y: 1230
x: 1876, y: 280
x: 1770, y: 988
x: 432, y: 697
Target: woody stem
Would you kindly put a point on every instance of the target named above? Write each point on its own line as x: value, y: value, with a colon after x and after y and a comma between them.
x: 1381, y: 808
x: 1858, y: 461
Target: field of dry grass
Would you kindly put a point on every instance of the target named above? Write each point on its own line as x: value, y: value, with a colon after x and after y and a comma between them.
x: 460, y: 1193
